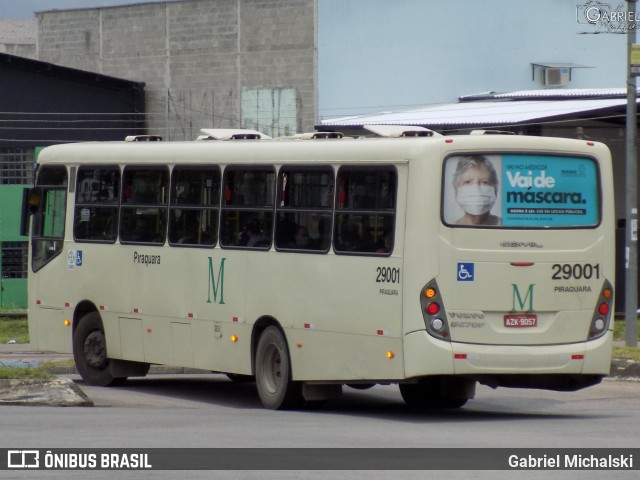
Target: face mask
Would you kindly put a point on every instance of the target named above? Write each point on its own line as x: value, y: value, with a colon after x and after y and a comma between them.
x: 476, y: 199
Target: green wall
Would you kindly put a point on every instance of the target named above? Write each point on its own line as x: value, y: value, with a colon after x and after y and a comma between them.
x: 10, y: 207
x: 13, y: 291
x: 13, y: 294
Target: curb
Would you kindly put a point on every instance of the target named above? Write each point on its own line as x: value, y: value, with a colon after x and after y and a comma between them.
x: 53, y: 392
x: 625, y: 369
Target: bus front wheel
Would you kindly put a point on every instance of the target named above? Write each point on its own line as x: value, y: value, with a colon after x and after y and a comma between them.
x: 273, y: 372
x: 438, y: 392
x: 90, y: 352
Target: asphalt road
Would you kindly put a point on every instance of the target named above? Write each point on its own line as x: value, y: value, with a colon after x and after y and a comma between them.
x: 196, y: 411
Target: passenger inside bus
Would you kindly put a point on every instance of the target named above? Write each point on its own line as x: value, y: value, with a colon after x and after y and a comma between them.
x: 253, y: 235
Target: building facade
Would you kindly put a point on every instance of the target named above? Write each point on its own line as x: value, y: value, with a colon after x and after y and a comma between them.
x: 205, y: 63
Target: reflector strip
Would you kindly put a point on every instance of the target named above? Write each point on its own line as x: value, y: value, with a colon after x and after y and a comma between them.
x: 309, y: 326
x: 460, y: 356
x: 102, y: 307
x: 522, y: 264
x: 190, y: 315
x: 38, y: 302
x: 67, y: 304
x: 136, y: 310
x: 577, y: 357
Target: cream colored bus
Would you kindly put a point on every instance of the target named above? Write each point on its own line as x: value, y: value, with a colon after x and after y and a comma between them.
x: 310, y: 263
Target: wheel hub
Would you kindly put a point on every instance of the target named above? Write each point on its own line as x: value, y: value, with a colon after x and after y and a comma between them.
x: 95, y: 350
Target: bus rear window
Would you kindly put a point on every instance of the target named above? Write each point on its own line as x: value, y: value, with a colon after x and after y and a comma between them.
x: 520, y: 191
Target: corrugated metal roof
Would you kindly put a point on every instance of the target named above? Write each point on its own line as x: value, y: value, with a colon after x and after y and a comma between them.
x: 566, y: 92
x: 481, y: 113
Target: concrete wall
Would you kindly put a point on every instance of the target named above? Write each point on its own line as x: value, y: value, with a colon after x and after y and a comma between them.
x: 195, y: 56
x: 18, y: 37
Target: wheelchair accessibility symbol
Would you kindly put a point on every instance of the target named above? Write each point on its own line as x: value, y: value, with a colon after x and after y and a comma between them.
x: 465, y: 272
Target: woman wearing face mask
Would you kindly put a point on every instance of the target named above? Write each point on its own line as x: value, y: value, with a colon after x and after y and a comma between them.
x: 476, y: 186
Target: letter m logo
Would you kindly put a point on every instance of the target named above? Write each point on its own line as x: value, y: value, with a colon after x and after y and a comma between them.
x: 519, y: 303
x: 216, y: 286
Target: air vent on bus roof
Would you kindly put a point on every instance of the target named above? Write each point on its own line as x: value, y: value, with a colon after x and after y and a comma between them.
x: 396, y: 131
x: 312, y: 136
x: 143, y: 138
x: 491, y: 132
x: 231, y: 134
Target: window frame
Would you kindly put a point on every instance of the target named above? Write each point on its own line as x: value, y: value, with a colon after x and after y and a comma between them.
x: 114, y: 205
x: 385, y: 213
x: 50, y: 245
x: 326, y: 211
x: 216, y: 208
x: 227, y: 208
x: 162, y: 208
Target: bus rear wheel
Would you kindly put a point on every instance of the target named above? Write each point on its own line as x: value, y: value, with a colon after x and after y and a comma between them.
x: 276, y: 389
x: 438, y: 392
x: 90, y: 352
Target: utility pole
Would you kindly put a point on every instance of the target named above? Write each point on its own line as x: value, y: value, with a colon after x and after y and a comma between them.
x: 631, y: 233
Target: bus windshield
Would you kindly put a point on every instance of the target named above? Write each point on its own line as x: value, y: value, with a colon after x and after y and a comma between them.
x: 520, y: 191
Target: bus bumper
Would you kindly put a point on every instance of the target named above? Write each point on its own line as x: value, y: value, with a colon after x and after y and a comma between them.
x: 556, y: 367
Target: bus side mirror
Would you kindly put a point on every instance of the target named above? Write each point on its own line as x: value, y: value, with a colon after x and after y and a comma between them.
x: 31, y: 199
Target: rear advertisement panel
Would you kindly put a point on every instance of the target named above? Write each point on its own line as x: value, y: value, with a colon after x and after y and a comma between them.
x: 514, y: 190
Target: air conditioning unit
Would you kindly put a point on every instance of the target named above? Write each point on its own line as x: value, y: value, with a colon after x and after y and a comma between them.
x: 556, y: 77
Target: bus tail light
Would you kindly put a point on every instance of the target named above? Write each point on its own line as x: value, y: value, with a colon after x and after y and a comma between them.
x: 435, y: 318
x: 602, y: 313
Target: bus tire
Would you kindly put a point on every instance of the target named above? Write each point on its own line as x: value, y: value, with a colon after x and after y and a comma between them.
x: 276, y: 389
x: 90, y: 352
x: 361, y: 386
x: 438, y: 392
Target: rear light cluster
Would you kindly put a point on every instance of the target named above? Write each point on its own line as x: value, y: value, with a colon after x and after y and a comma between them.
x: 602, y: 313
x: 435, y: 318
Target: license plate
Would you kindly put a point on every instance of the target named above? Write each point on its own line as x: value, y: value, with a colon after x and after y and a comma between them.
x: 521, y: 320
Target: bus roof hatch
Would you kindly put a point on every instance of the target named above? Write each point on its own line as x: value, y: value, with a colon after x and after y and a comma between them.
x: 397, y: 131
x: 231, y: 134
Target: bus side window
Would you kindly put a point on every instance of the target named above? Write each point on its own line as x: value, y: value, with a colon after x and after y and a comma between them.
x: 96, y: 210
x: 195, y: 202
x: 365, y: 210
x: 143, y: 213
x: 304, y: 209
x: 247, y: 208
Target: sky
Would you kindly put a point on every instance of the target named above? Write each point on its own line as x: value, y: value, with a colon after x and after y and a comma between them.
x: 24, y: 9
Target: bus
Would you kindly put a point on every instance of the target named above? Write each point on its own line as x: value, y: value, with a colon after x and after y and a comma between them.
x: 318, y: 261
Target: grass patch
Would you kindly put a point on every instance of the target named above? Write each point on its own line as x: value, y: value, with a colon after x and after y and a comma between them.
x: 14, y: 328
x: 22, y: 373
x: 619, y: 329
x: 631, y: 353
x: 51, y: 366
